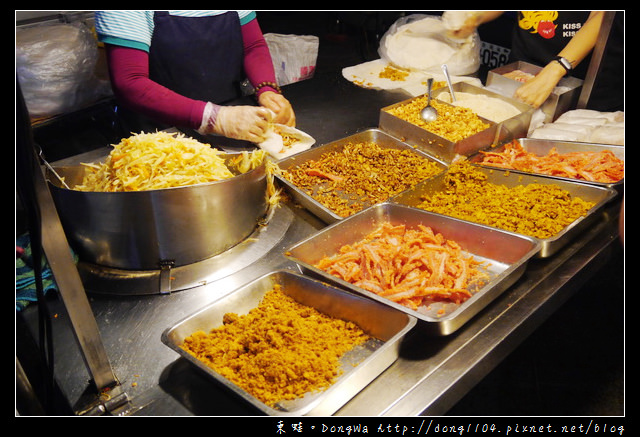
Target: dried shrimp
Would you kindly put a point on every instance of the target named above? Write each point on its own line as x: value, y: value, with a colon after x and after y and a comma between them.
x: 601, y: 166
x: 412, y: 267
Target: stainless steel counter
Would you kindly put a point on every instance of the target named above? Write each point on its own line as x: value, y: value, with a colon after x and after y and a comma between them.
x: 430, y: 376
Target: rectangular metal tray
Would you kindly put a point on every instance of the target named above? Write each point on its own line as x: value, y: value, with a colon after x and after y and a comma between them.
x: 542, y: 147
x: 505, y: 253
x: 562, y: 99
x: 548, y: 246
x: 446, y: 150
x: 376, y: 136
x: 360, y: 366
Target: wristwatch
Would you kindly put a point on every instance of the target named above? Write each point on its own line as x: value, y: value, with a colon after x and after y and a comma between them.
x: 565, y: 63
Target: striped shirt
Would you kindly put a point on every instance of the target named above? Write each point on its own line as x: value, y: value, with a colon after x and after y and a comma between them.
x: 134, y: 29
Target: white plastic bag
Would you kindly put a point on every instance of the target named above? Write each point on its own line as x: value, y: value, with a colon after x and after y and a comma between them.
x: 294, y: 56
x: 419, y: 42
x: 55, y: 65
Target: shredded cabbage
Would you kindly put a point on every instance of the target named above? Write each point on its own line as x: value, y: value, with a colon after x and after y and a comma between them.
x: 150, y: 161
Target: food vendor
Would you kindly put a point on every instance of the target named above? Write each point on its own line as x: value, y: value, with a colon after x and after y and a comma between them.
x: 560, y: 41
x: 184, y: 69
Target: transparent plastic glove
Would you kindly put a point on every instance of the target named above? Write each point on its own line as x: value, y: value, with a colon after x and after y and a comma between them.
x: 280, y: 106
x: 247, y: 123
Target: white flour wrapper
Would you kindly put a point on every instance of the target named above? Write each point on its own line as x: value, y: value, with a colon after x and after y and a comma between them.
x: 274, y: 144
x: 367, y: 75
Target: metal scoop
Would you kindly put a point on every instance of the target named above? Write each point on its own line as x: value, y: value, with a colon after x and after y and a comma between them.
x: 446, y: 76
x: 429, y: 113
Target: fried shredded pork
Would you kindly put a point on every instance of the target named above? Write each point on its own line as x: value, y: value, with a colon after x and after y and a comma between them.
x: 360, y: 174
x: 412, y: 267
x: 393, y: 73
x: 288, y: 139
x: 280, y: 350
x: 536, y: 210
x: 149, y: 161
x: 454, y: 123
x: 601, y: 166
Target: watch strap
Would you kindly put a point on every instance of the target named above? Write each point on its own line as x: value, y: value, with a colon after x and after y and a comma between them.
x: 565, y: 63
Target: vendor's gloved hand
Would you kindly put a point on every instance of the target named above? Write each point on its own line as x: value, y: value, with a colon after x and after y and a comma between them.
x: 247, y: 123
x: 280, y: 106
x: 535, y: 92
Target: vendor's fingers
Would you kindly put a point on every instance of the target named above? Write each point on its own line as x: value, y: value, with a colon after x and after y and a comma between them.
x: 533, y: 97
x: 255, y: 138
x: 260, y: 124
x: 258, y: 131
x: 286, y: 117
x: 281, y: 107
x: 266, y: 114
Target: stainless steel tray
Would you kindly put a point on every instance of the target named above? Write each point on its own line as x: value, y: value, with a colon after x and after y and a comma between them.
x: 548, y: 246
x: 542, y: 147
x: 360, y: 366
x: 563, y: 98
x: 506, y: 255
x: 377, y: 136
x: 446, y: 150
x: 150, y: 230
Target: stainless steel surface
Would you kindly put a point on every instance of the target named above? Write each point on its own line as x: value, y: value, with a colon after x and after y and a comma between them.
x: 446, y: 150
x: 562, y: 99
x: 429, y: 113
x: 100, y: 279
x: 59, y: 180
x: 376, y: 136
x: 56, y: 250
x: 505, y: 256
x: 542, y: 147
x: 146, y: 230
x: 431, y: 373
x: 360, y: 366
x: 600, y: 196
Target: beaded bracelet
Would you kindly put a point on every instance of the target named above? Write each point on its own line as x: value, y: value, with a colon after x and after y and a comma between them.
x: 269, y: 84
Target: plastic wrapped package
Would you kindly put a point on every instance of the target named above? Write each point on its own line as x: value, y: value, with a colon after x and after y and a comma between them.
x: 420, y: 42
x: 55, y: 66
x: 584, y: 125
x: 294, y: 56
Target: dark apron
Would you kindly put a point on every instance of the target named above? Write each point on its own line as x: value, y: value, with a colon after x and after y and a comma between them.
x: 198, y: 57
x: 540, y: 48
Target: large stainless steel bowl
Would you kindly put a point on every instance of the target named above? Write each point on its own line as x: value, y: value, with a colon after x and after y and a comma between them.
x: 146, y: 230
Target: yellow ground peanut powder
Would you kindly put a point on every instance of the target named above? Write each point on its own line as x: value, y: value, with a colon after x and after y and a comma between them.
x: 536, y: 210
x: 279, y: 351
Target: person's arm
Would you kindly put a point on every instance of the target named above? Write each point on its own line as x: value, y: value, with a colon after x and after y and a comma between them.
x: 258, y: 66
x: 538, y: 89
x: 475, y: 19
x: 129, y: 74
x: 584, y: 40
